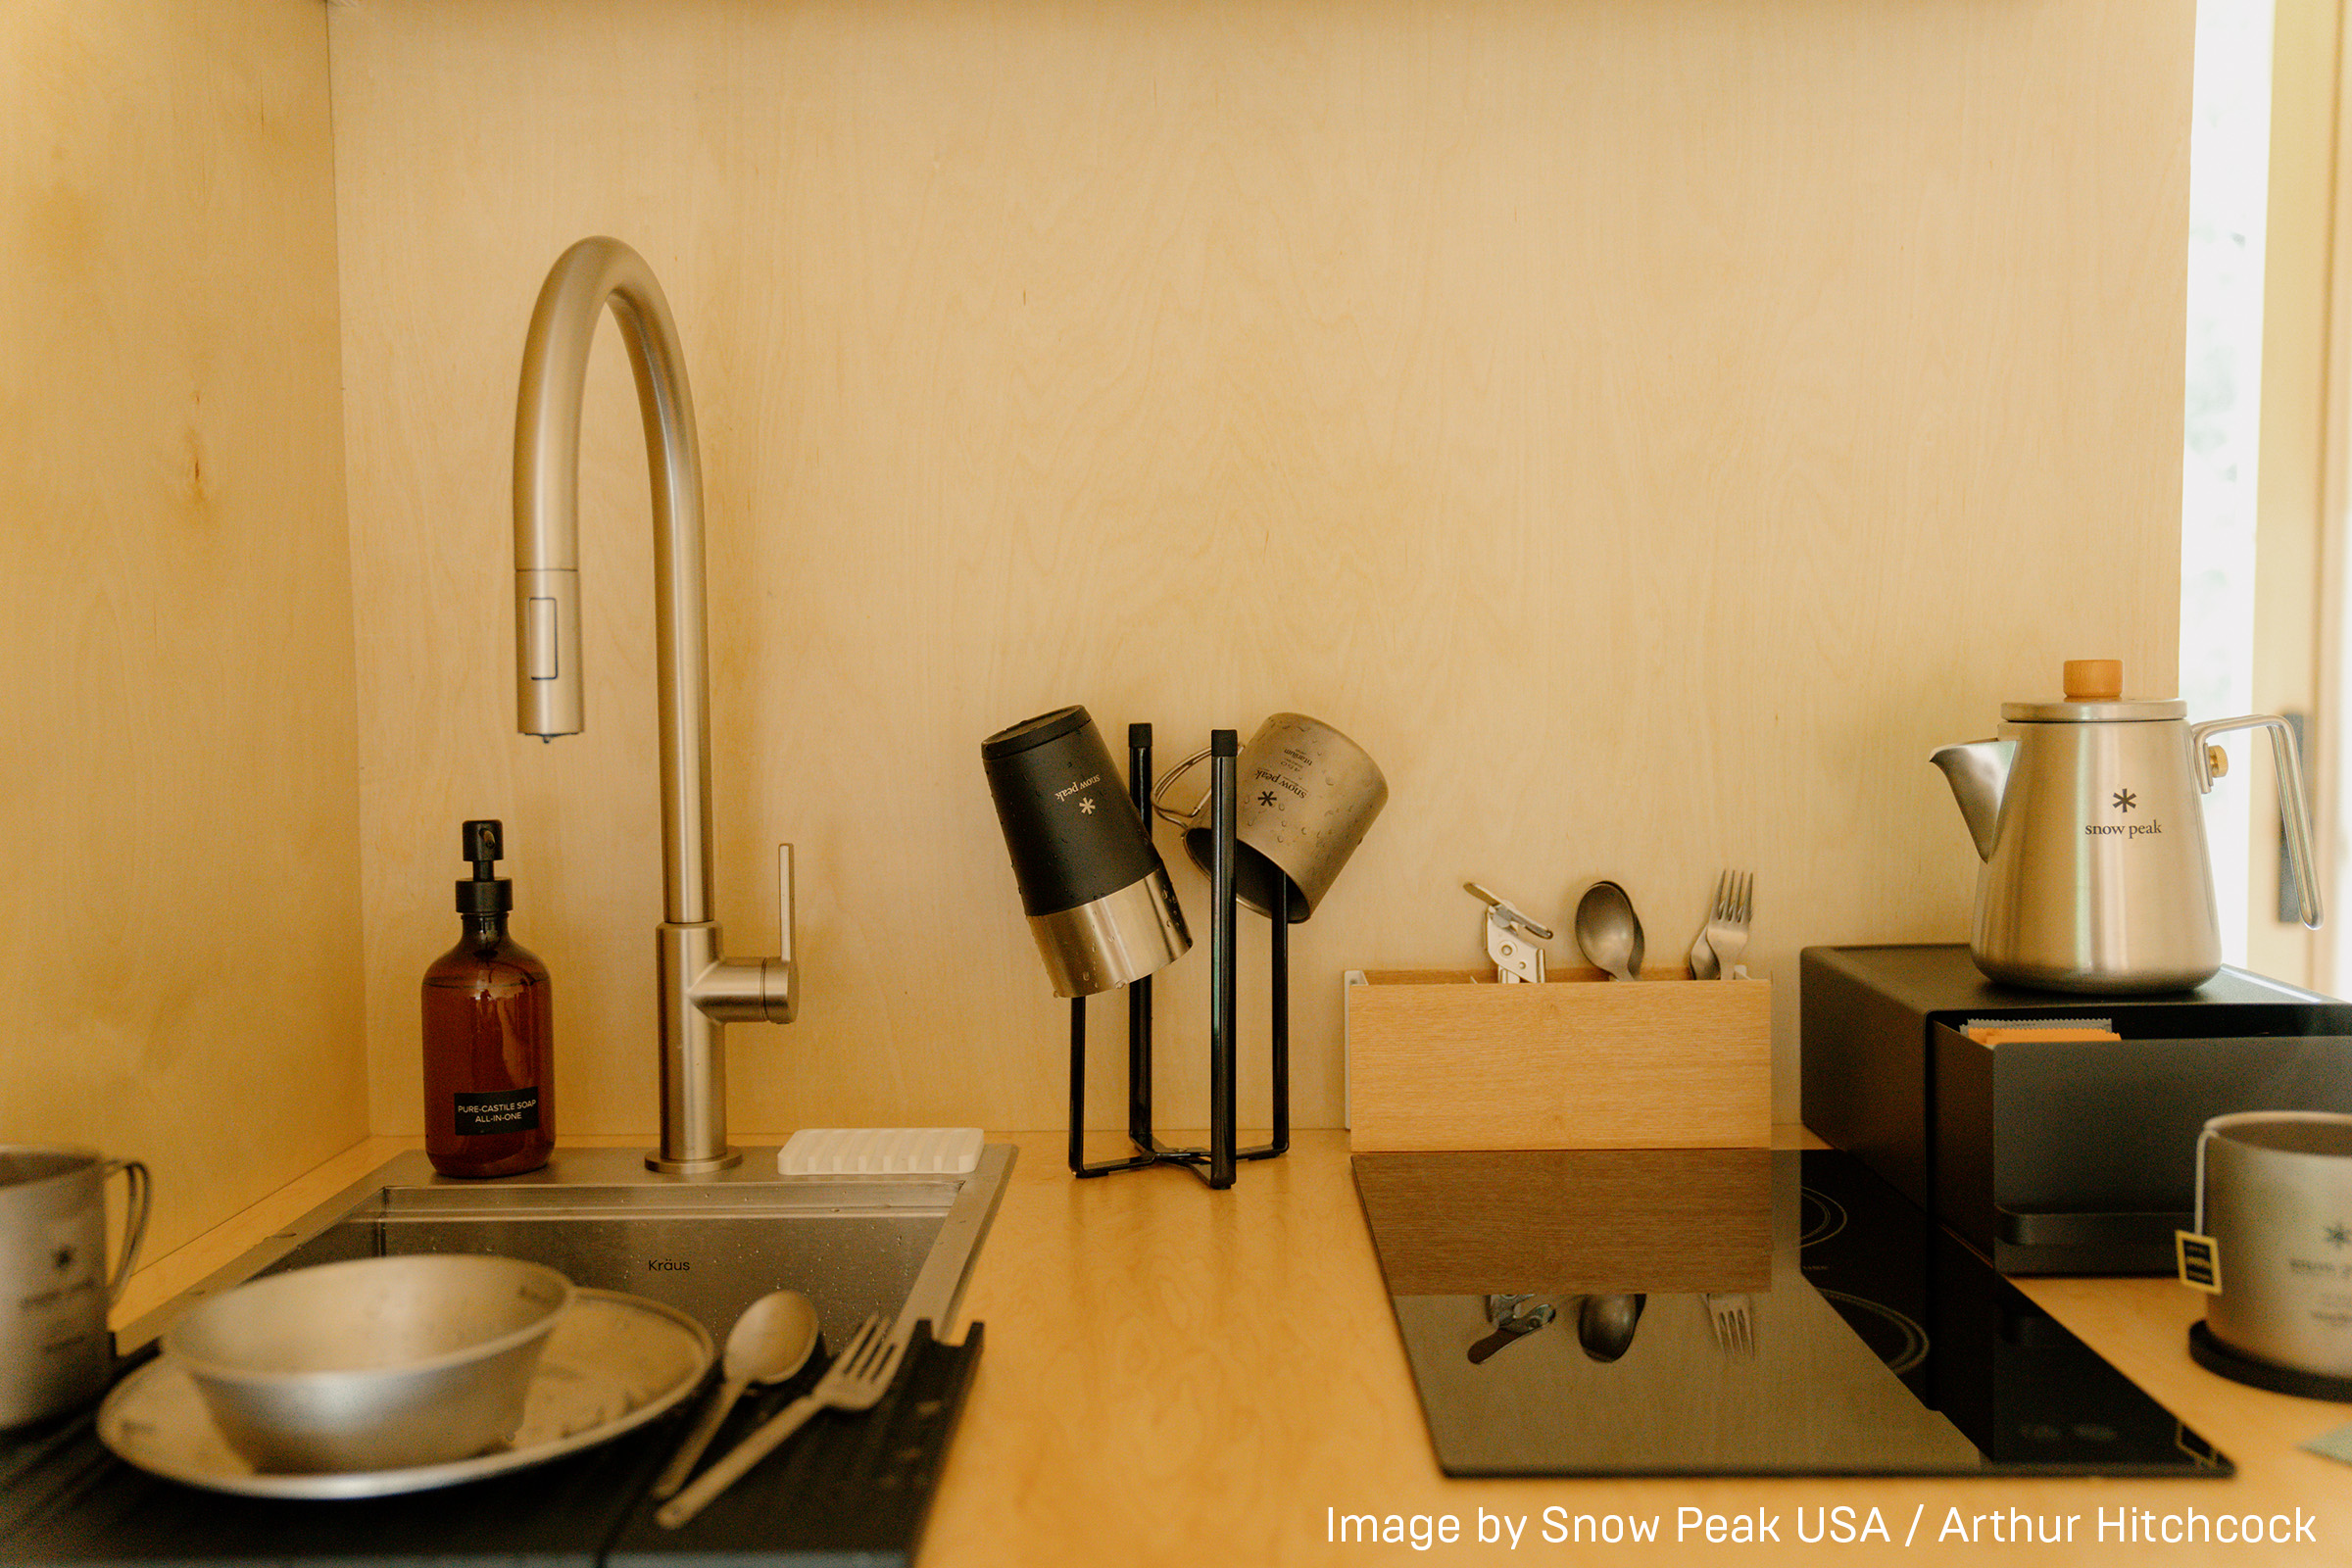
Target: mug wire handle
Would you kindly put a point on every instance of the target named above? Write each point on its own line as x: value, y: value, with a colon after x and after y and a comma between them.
x: 1166, y: 814
x: 142, y: 1199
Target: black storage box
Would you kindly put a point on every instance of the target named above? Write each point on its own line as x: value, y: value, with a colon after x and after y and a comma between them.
x: 2073, y: 1157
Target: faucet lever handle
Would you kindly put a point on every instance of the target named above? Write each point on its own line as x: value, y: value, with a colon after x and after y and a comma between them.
x: 745, y: 990
x: 780, y: 981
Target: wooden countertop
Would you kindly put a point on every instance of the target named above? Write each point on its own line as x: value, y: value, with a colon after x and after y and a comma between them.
x: 1184, y: 1377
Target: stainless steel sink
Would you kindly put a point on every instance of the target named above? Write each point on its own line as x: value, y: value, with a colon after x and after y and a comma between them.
x: 901, y: 1246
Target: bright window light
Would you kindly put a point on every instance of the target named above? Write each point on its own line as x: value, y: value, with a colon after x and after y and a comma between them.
x: 2229, y: 197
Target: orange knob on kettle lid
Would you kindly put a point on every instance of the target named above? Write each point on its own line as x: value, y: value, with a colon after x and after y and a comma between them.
x: 2094, y: 680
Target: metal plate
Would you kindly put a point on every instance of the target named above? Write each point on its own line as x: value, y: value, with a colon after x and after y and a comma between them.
x: 613, y: 1363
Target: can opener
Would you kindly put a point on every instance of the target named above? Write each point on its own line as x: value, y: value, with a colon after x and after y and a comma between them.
x: 1511, y: 938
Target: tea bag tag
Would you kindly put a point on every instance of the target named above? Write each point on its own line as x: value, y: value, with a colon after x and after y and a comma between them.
x: 2199, y: 1260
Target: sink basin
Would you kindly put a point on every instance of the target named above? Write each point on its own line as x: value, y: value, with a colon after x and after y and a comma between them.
x: 901, y: 1246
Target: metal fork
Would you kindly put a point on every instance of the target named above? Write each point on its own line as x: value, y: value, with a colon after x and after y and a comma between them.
x: 855, y: 1381
x: 1735, y: 1328
x: 1727, y: 927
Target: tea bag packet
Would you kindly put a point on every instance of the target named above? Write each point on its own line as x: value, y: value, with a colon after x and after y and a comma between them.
x: 2197, y: 1259
x: 2197, y: 1256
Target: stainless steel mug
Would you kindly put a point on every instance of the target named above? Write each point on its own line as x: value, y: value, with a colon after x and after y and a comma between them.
x: 1308, y: 796
x: 55, y: 1350
x: 2274, y: 1194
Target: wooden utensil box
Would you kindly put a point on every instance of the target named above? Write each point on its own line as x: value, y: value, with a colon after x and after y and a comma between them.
x: 1441, y: 1059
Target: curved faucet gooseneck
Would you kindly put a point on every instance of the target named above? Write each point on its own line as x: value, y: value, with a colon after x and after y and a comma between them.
x: 700, y: 991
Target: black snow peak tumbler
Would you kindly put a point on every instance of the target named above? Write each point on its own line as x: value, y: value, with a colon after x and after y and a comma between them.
x: 1097, y: 894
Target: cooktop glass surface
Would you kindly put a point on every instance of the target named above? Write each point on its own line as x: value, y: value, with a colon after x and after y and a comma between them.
x: 1731, y: 1312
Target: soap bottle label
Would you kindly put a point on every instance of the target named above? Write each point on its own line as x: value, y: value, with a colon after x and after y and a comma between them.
x: 509, y: 1110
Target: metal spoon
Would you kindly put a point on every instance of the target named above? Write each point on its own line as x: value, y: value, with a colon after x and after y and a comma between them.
x: 1608, y: 931
x: 769, y: 1344
x: 1604, y: 1324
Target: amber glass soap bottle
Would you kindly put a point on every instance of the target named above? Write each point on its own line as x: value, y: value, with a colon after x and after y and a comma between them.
x: 489, y: 1080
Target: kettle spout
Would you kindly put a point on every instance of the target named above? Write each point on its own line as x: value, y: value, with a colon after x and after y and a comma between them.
x: 1979, y: 771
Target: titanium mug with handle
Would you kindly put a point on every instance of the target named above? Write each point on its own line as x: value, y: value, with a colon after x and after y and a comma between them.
x: 1308, y: 795
x: 2274, y: 1211
x: 55, y: 1289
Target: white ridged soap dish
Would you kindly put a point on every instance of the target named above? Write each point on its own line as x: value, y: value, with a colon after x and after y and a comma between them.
x: 880, y: 1152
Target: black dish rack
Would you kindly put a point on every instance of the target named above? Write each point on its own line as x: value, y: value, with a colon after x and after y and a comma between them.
x: 845, y: 1490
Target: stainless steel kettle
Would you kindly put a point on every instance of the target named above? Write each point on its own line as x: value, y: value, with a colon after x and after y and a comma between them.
x: 2088, y: 816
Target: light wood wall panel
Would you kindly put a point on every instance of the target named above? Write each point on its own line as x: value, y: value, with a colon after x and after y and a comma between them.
x: 181, y: 975
x: 1648, y: 428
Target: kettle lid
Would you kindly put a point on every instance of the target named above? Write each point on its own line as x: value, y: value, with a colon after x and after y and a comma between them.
x: 2095, y: 694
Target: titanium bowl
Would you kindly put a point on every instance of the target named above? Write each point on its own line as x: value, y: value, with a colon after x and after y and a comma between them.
x: 380, y: 1363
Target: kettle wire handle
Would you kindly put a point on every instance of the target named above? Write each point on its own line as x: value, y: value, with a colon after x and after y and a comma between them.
x: 2294, y: 808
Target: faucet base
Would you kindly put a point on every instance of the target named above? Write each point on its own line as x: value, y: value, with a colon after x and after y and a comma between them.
x: 726, y: 1161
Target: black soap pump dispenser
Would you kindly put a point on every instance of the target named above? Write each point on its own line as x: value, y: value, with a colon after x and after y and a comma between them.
x: 489, y: 1038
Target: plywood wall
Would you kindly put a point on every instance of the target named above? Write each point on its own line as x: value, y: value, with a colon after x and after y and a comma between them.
x: 1648, y: 428
x: 181, y: 976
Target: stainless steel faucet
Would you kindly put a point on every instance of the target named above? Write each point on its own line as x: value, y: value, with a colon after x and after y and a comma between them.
x: 701, y: 992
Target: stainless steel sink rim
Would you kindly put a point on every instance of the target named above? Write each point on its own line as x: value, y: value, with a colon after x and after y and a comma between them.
x: 406, y: 1190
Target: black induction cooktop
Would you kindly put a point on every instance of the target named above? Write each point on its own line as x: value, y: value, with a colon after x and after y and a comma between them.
x: 1731, y: 1312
